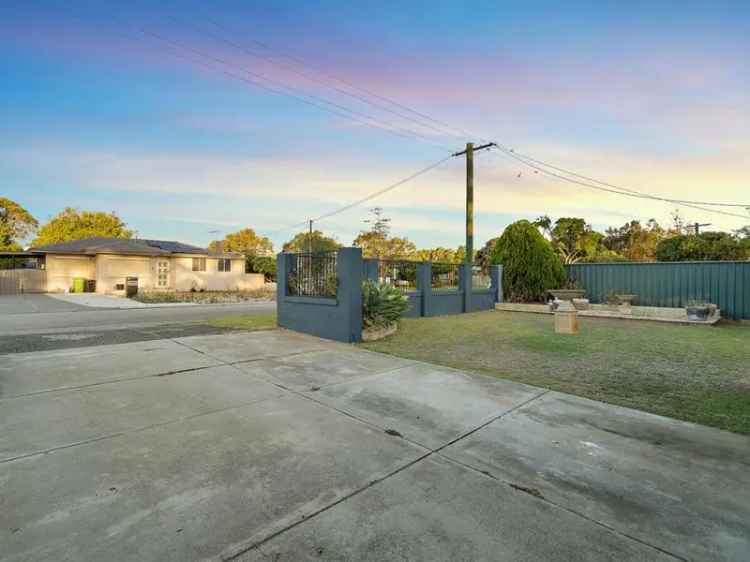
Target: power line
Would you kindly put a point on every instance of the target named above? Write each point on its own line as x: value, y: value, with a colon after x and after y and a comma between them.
x: 536, y: 164
x: 382, y: 191
x: 670, y: 200
x: 312, y: 77
x: 290, y: 92
x: 350, y: 85
x: 610, y: 190
x: 369, y: 197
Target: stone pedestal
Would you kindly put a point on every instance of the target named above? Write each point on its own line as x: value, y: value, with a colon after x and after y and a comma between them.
x: 566, y: 319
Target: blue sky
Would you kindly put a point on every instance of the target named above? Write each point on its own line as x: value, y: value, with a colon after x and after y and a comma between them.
x: 99, y: 115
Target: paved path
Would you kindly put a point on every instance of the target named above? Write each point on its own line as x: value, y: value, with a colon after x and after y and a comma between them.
x: 277, y: 446
x: 18, y: 317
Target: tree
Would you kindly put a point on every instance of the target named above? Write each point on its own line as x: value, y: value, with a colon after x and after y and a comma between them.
x: 544, y: 223
x: 743, y: 234
x: 635, y: 242
x: 573, y: 239
x: 245, y: 241
x: 261, y: 264
x: 376, y: 242
x: 530, y: 265
x: 375, y: 245
x: 706, y: 246
x: 483, y: 257
x: 438, y: 254
x: 16, y: 223
x: 300, y: 243
x: 379, y: 222
x: 72, y: 224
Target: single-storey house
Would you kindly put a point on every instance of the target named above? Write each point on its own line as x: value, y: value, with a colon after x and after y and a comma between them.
x: 158, y: 265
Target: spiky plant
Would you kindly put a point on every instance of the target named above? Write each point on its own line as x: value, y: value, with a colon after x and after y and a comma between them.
x: 382, y: 304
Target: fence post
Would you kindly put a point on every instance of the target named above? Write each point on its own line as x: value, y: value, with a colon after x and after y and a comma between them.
x: 496, y: 275
x: 349, y: 293
x: 370, y: 270
x: 281, y: 272
x: 464, y: 284
x: 424, y: 286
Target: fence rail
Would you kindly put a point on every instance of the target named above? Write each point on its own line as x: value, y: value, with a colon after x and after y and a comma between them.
x: 670, y: 284
x: 311, y: 275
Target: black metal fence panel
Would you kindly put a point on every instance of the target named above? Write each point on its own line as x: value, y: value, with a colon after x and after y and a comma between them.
x: 311, y: 275
x: 400, y: 274
x: 445, y: 275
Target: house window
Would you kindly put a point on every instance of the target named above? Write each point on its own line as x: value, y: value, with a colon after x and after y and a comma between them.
x: 199, y: 264
x: 162, y: 273
x: 225, y: 264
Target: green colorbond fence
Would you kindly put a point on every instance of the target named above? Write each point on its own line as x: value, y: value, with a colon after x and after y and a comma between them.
x: 670, y: 284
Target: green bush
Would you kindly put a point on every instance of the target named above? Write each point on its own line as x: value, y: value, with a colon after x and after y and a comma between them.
x: 382, y: 304
x: 702, y: 247
x: 261, y: 264
x: 530, y: 265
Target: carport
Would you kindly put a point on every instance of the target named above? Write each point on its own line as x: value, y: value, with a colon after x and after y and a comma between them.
x: 22, y: 272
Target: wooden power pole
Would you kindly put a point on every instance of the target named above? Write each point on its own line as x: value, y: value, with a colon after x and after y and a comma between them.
x: 698, y: 226
x: 469, y: 152
x: 469, y: 202
x: 310, y: 238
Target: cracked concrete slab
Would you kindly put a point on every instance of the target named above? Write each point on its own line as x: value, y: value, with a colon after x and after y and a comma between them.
x: 303, y: 372
x: 247, y: 346
x: 438, y: 511
x: 25, y: 373
x: 211, y: 475
x: 50, y: 420
x: 425, y: 403
x: 683, y: 487
x: 192, y: 489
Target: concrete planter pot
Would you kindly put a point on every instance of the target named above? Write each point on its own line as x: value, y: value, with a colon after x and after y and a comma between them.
x: 626, y: 299
x: 379, y: 332
x: 698, y: 312
x: 567, y: 294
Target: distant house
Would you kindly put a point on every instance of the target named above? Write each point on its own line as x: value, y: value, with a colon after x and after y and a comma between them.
x: 158, y: 265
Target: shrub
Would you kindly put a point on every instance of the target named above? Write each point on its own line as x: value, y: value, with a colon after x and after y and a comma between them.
x: 261, y: 264
x: 530, y: 265
x: 382, y: 304
x: 701, y: 247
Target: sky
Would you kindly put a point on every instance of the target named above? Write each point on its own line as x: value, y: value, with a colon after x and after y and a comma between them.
x: 194, y: 119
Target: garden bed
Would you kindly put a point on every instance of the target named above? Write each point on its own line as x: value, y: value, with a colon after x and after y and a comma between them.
x: 653, y: 313
x: 207, y: 297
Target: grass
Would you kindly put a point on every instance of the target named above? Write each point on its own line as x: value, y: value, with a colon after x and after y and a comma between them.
x: 694, y: 373
x: 251, y: 322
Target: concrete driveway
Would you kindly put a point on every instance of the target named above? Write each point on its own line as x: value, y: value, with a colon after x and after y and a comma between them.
x: 31, y: 303
x: 277, y: 446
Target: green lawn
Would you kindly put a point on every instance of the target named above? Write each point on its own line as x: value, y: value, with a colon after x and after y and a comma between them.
x: 249, y: 322
x: 695, y: 373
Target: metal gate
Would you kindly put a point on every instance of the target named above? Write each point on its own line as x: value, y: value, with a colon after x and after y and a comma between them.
x: 17, y: 281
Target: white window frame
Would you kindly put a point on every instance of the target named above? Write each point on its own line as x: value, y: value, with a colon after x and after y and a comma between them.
x: 199, y: 264
x: 224, y: 265
x: 162, y: 274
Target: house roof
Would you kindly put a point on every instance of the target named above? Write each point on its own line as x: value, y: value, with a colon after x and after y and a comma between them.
x: 137, y: 246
